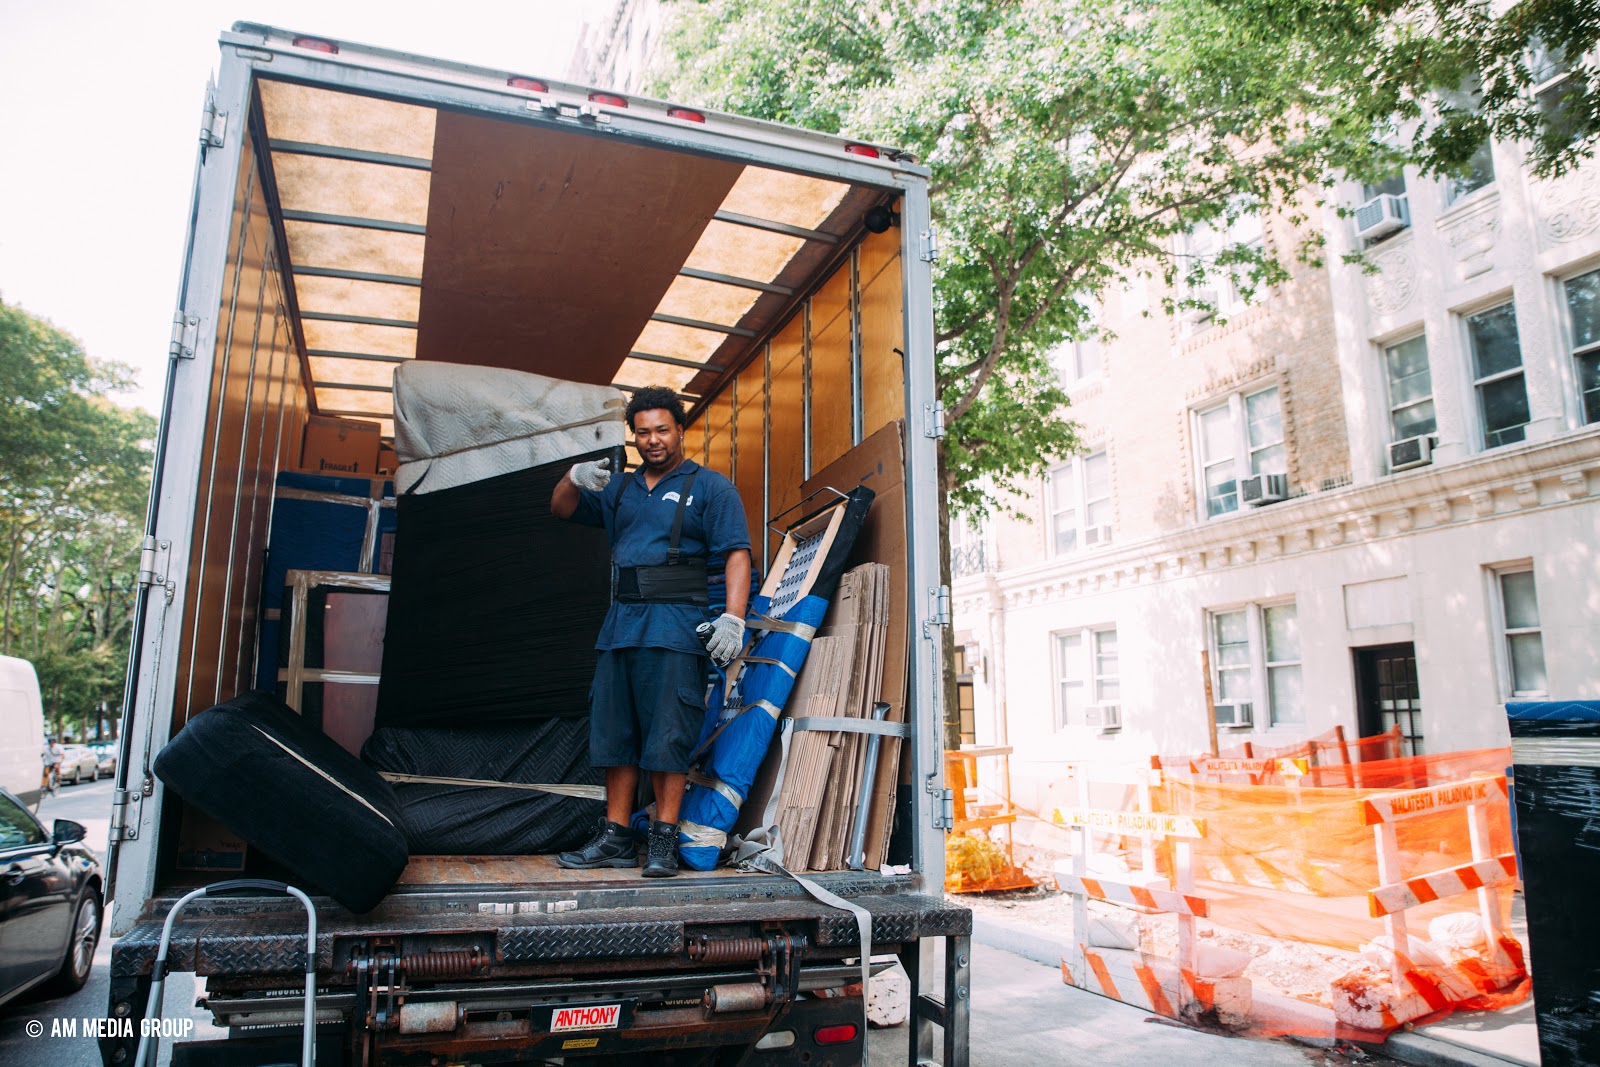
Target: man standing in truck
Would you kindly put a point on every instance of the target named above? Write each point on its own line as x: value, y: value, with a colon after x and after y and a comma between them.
x: 666, y: 522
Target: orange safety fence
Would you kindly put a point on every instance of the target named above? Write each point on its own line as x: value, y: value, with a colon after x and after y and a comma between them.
x: 1409, y: 861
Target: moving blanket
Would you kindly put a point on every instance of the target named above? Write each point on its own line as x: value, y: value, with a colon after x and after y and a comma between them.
x: 455, y: 424
x: 456, y: 820
x: 494, y: 606
x: 273, y: 779
x: 748, y: 716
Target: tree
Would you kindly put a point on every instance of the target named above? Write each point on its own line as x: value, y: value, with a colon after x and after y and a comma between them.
x: 1071, y: 145
x: 74, y: 472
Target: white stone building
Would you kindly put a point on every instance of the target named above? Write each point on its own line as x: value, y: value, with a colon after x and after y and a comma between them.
x: 1433, y: 432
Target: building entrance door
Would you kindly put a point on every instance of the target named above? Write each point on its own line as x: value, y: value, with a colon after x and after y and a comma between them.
x: 1388, y: 695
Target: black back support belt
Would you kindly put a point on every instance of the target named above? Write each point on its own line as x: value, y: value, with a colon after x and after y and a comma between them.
x: 681, y: 580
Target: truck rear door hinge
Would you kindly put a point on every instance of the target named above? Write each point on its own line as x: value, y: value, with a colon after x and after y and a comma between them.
x: 929, y: 244
x: 155, y: 560
x: 944, y: 812
x: 185, y: 335
x: 121, y: 829
x: 939, y: 610
x: 213, y: 126
x: 933, y: 420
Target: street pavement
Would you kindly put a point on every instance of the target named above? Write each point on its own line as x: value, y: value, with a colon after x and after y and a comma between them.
x: 1023, y: 1015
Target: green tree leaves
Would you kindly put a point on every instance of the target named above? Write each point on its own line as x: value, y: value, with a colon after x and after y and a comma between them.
x: 74, y: 475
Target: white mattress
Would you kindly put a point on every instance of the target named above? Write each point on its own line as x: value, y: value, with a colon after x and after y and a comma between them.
x: 455, y: 424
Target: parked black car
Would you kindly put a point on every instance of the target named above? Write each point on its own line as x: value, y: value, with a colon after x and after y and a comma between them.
x: 50, y: 903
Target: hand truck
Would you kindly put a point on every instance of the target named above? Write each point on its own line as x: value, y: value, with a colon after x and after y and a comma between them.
x: 149, y: 1042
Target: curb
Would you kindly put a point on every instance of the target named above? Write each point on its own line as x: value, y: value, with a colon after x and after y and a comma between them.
x: 1019, y: 940
x: 1424, y: 1051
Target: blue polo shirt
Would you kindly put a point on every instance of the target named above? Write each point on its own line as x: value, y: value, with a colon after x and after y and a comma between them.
x: 638, y: 523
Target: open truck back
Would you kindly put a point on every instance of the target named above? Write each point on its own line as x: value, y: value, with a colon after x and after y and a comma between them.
x: 357, y: 208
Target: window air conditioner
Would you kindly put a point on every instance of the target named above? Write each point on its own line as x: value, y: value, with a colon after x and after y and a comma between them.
x: 1097, y: 535
x: 1381, y: 216
x: 1261, y: 489
x: 1232, y: 713
x: 1104, y: 717
x: 1412, y: 452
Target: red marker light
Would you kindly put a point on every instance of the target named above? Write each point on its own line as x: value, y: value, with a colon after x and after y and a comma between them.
x: 835, y: 1035
x: 685, y: 114
x: 316, y: 44
x: 609, y: 98
x: 863, y: 150
x: 533, y: 85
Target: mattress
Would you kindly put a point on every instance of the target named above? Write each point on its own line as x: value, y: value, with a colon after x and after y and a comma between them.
x: 456, y: 424
x: 294, y: 794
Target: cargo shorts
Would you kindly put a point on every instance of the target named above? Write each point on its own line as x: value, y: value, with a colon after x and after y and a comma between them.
x: 646, y: 708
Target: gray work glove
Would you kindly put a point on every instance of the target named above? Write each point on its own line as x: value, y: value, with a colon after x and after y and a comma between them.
x: 594, y: 475
x: 727, y: 638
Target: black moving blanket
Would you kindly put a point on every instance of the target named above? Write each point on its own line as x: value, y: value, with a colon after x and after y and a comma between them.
x: 494, y: 605
x: 455, y: 820
x: 272, y: 778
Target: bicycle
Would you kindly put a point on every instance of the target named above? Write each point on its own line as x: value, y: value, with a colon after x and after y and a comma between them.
x: 49, y: 785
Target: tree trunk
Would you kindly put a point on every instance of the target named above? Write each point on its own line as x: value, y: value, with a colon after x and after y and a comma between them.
x: 947, y: 640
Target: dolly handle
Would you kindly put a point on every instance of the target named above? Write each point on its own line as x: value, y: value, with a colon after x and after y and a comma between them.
x: 235, y: 885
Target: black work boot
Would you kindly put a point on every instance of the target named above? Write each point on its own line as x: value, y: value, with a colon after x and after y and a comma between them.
x: 661, y: 850
x: 613, y: 845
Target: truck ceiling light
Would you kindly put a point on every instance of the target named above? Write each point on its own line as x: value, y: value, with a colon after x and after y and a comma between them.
x: 835, y: 1035
x: 685, y: 114
x: 609, y: 98
x: 863, y: 150
x: 316, y: 44
x: 533, y: 85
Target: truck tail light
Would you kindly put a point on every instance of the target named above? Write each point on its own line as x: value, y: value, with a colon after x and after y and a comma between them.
x: 863, y: 150
x: 609, y: 98
x: 835, y: 1035
x: 531, y: 84
x: 685, y: 114
x: 316, y: 44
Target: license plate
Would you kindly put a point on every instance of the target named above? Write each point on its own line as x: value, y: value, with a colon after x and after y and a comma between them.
x: 578, y: 1018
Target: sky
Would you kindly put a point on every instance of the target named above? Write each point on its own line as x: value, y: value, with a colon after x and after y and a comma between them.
x: 99, y: 118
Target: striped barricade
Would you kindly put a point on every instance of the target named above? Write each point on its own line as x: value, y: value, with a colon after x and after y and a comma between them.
x: 1172, y: 987
x: 1414, y: 991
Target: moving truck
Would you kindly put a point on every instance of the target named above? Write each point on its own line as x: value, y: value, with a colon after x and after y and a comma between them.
x: 355, y: 208
x: 21, y: 730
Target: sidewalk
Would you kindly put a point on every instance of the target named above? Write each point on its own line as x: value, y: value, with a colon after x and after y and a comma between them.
x: 1464, y: 1039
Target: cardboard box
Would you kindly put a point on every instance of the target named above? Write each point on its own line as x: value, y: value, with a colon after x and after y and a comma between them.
x: 388, y: 462
x: 206, y: 845
x: 340, y: 446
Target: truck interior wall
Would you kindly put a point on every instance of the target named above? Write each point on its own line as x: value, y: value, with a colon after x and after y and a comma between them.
x: 787, y: 421
x: 255, y: 412
x: 750, y: 449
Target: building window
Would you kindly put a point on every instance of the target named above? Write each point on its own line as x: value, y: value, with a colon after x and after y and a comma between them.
x: 1087, y: 672
x: 1239, y: 437
x: 1080, y: 504
x: 1523, y: 639
x: 1259, y: 641
x: 1394, y: 185
x: 965, y: 704
x: 1477, y: 174
x: 968, y: 550
x: 1280, y: 623
x: 1079, y: 360
x: 1583, y: 305
x: 1497, y: 375
x: 1410, y: 389
x: 1556, y: 94
x: 1225, y: 288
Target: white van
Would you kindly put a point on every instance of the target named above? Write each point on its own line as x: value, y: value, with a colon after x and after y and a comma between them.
x: 21, y: 729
